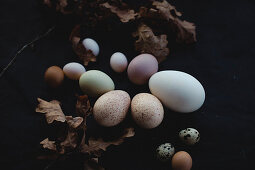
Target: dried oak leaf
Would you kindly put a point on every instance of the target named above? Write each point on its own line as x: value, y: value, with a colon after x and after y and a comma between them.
x: 149, y: 43
x: 72, y: 138
x: 95, y: 147
x: 85, y: 55
x: 47, y: 144
x: 92, y: 164
x: 185, y: 31
x: 83, y: 107
x: 52, y: 110
x: 64, y: 6
x: 124, y: 14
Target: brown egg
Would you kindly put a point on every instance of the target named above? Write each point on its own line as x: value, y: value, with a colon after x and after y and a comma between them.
x: 181, y: 161
x: 54, y: 76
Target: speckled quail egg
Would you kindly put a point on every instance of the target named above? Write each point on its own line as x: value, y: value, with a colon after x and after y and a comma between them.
x: 189, y: 136
x: 165, y: 151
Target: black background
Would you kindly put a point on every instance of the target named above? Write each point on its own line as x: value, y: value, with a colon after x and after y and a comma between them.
x: 222, y: 60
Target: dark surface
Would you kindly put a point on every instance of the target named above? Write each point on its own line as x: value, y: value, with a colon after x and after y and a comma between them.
x: 222, y: 60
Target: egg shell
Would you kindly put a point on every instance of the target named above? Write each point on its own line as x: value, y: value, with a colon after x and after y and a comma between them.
x: 54, y: 76
x: 73, y: 70
x: 165, y: 151
x: 141, y: 68
x: 118, y: 62
x: 181, y: 161
x: 189, y: 136
x: 146, y: 110
x: 95, y: 83
x: 92, y: 45
x: 111, y: 108
x: 177, y: 90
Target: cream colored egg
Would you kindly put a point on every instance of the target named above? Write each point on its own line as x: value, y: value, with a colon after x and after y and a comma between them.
x: 111, y: 108
x: 147, y: 111
x: 177, y: 90
x: 73, y: 70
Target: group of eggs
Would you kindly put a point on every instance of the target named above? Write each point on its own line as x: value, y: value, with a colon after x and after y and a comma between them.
x: 176, y: 90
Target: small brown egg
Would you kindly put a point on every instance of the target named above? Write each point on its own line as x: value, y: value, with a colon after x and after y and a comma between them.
x: 54, y: 76
x: 181, y: 161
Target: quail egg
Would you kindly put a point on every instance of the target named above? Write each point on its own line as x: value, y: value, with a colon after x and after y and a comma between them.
x: 189, y: 136
x: 165, y: 151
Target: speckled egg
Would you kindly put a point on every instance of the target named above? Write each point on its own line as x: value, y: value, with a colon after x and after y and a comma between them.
x: 111, y: 108
x: 141, y: 68
x: 189, y: 136
x: 73, y: 70
x: 164, y: 152
x: 146, y: 110
x: 94, y: 83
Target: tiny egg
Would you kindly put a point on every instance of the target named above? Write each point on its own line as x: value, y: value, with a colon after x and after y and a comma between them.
x: 118, y: 62
x: 189, y: 136
x: 165, y: 151
x: 181, y: 161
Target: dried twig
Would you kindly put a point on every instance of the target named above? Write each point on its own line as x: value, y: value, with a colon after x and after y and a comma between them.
x: 24, y: 47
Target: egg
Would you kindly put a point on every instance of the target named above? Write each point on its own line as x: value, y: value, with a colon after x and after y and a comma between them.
x: 164, y: 152
x: 54, y: 76
x: 181, y: 161
x: 118, y: 62
x: 177, y: 90
x: 189, y: 136
x: 73, y: 70
x: 146, y: 110
x: 92, y: 45
x: 141, y: 68
x: 94, y: 83
x: 111, y: 108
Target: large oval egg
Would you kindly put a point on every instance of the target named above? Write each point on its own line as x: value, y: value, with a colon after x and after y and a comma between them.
x: 95, y: 83
x: 111, y: 108
x: 141, y: 68
x: 147, y: 111
x: 73, y: 70
x: 177, y: 90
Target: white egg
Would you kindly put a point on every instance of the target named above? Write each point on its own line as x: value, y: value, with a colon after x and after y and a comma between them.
x: 189, y: 136
x: 118, y: 62
x: 74, y: 70
x: 92, y: 45
x: 177, y: 90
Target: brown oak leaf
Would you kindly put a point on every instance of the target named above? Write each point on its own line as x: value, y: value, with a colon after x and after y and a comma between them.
x: 149, y: 43
x: 83, y: 107
x: 85, y: 55
x: 52, y: 110
x: 95, y: 147
x: 125, y: 15
x: 47, y: 144
x: 71, y: 140
x: 185, y: 31
x: 92, y: 164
